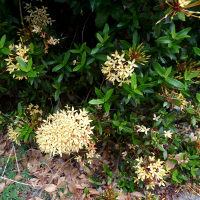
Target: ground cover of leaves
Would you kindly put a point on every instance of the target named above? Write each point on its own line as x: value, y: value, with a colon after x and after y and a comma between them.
x: 36, y: 176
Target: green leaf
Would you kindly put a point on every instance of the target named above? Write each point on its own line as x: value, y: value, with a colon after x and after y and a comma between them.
x: 168, y: 71
x: 138, y: 92
x: 2, y: 41
x: 30, y: 63
x: 101, y: 57
x: 190, y: 111
x: 174, y: 176
x: 198, y: 97
x: 196, y: 50
x: 94, y: 182
x: 133, y: 81
x: 159, y: 69
x: 161, y: 148
x: 77, y: 68
x: 125, y: 43
x: 22, y: 65
x: 57, y: 67
x: 57, y: 94
x: 32, y: 74
x: 83, y: 59
x: 192, y: 75
x: 98, y: 93
x: 99, y: 37
x: 5, y: 51
x: 19, y: 109
x: 96, y: 101
x: 75, y: 51
x: 66, y: 57
x: 163, y: 40
x: 106, y: 29
x: 108, y: 94
x: 60, y: 78
x: 183, y: 33
x: 175, y: 83
x: 173, y: 30
x: 107, y: 107
x: 181, y: 16
x: 135, y: 39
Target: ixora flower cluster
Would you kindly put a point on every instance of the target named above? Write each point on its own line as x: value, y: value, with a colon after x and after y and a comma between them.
x: 151, y: 172
x: 20, y: 51
x: 32, y: 116
x: 66, y: 131
x: 39, y: 19
x: 118, y: 68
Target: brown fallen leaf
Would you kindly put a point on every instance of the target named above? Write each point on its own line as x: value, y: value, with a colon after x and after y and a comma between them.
x: 50, y: 188
x: 137, y: 194
x: 93, y: 191
x: 72, y: 188
x: 2, y: 187
x: 18, y: 177
x: 170, y: 165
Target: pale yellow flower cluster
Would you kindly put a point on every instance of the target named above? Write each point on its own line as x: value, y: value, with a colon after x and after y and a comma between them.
x: 142, y: 129
x: 118, y: 69
x: 38, y: 16
x: 65, y: 131
x: 168, y: 134
x: 34, y: 112
x: 13, y: 135
x: 150, y: 171
x: 20, y: 51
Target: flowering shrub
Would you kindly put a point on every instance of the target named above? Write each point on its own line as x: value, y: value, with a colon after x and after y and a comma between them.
x: 138, y: 78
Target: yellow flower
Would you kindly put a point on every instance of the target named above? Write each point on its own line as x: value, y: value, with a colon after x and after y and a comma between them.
x: 168, y: 134
x: 118, y: 69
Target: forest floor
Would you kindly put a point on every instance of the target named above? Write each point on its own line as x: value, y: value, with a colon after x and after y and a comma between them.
x: 29, y: 174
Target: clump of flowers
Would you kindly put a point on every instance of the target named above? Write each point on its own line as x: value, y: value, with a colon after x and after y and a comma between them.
x: 181, y: 6
x: 66, y: 131
x: 38, y: 16
x: 38, y: 20
x: 25, y: 124
x: 118, y: 68
x: 150, y: 171
x: 20, y: 51
x: 139, y: 54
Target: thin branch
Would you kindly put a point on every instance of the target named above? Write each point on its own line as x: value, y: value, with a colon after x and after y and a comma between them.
x: 20, y: 11
x: 7, y: 161
x: 8, y: 179
x: 85, y: 25
x: 16, y: 160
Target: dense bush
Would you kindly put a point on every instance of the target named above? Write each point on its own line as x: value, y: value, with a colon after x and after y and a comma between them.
x: 134, y: 65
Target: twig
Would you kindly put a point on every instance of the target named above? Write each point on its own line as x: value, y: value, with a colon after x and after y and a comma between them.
x: 7, y: 161
x: 16, y: 159
x: 20, y: 11
x: 4, y: 178
x: 85, y: 25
